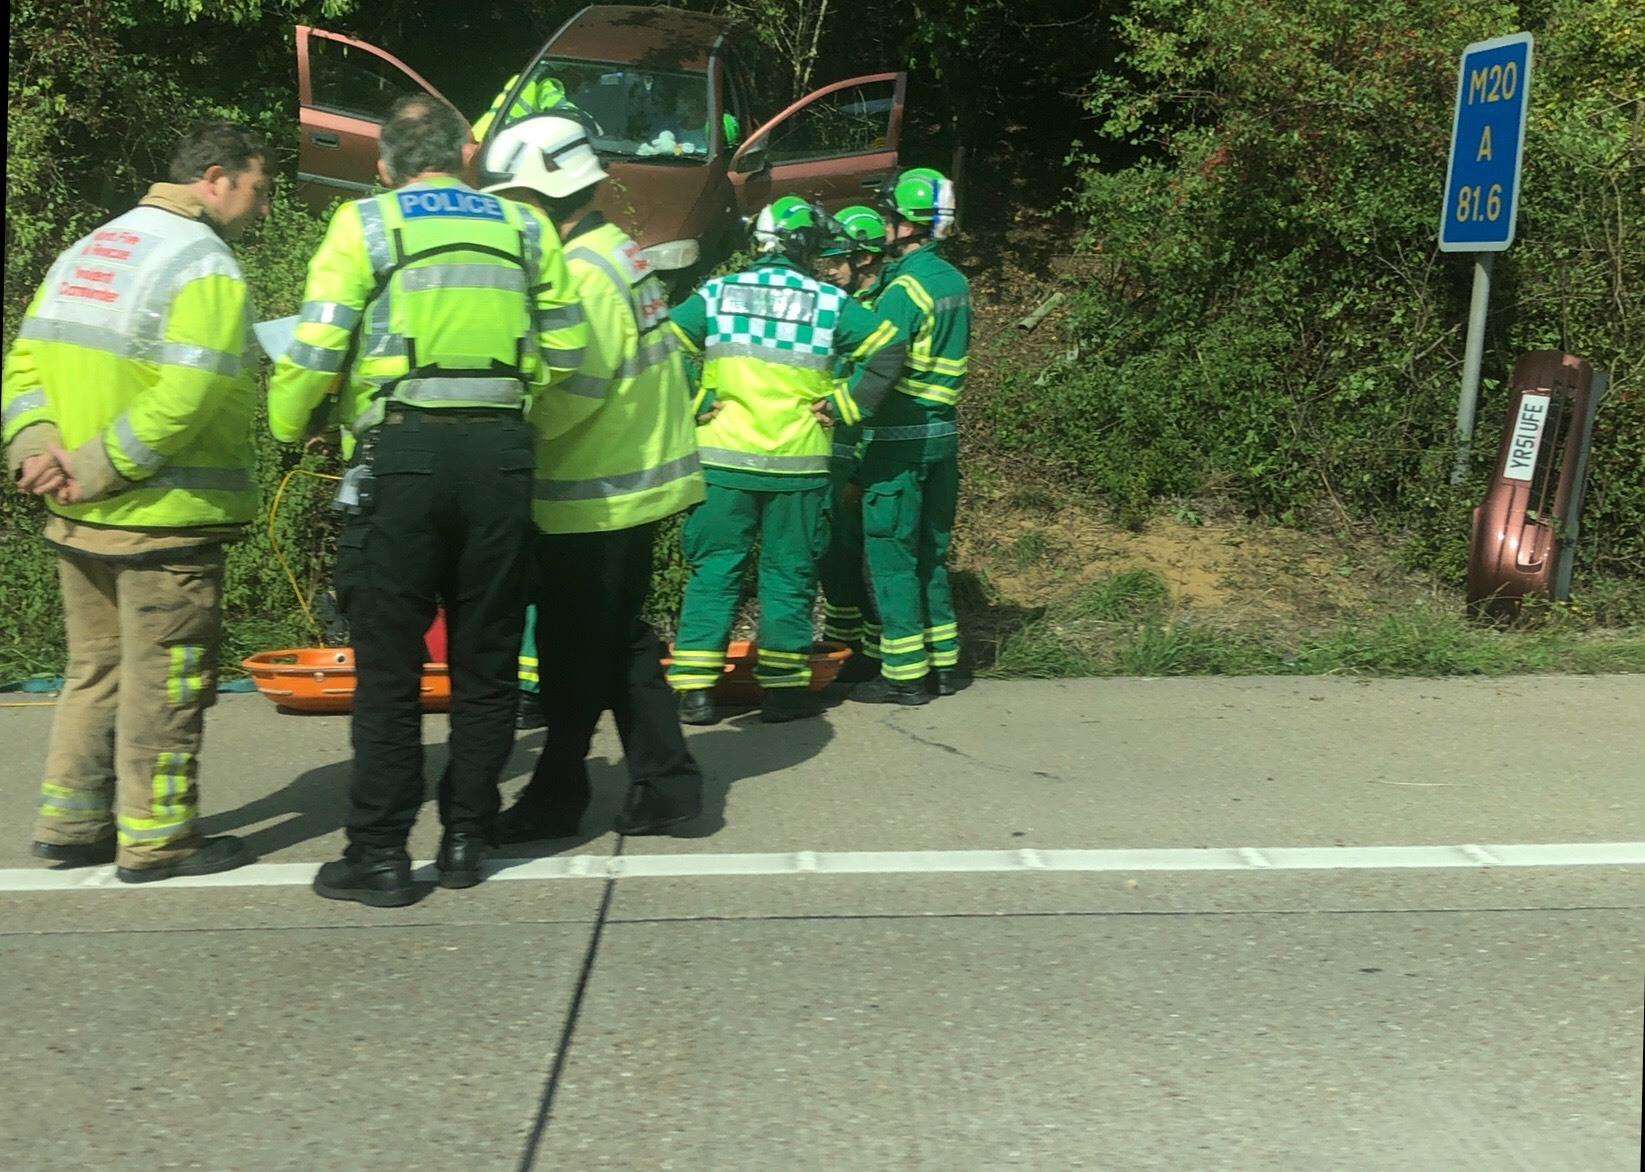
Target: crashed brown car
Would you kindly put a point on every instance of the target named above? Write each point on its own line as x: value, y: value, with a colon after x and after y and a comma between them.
x: 634, y: 73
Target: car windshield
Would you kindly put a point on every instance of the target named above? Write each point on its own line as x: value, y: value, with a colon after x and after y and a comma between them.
x: 632, y: 113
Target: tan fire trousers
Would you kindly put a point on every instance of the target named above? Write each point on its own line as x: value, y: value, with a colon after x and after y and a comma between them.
x: 142, y: 670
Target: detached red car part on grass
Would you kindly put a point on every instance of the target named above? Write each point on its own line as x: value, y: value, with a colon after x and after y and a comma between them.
x: 1525, y: 533
x: 620, y: 65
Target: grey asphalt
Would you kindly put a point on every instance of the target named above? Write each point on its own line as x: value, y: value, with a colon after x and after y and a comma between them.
x: 1483, y: 1018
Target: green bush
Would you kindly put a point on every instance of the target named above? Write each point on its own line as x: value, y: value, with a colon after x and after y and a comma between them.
x: 1273, y: 320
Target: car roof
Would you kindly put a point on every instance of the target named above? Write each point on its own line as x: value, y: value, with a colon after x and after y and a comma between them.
x: 661, y: 38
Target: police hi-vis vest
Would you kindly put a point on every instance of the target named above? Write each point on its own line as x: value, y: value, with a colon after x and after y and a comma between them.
x: 434, y: 296
x: 617, y: 441
x: 139, y: 336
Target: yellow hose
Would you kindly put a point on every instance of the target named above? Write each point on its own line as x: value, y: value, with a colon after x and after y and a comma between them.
x: 274, y: 544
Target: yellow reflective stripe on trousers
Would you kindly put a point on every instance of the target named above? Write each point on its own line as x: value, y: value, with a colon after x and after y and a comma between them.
x: 60, y: 800
x: 899, y: 646
x: 184, y: 681
x: 915, y: 670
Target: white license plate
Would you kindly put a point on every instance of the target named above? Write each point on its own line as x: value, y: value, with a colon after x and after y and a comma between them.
x: 1527, y: 437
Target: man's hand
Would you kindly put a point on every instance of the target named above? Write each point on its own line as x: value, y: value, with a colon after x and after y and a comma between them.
x: 69, y: 491
x: 324, y: 444
x: 707, y: 417
x: 824, y: 416
x: 42, y: 473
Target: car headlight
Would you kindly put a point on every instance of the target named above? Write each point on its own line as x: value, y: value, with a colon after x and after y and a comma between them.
x: 672, y: 254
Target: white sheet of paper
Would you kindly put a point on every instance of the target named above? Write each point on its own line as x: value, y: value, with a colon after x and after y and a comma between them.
x: 276, y: 335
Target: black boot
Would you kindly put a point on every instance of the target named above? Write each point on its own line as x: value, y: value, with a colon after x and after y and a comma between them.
x: 380, y: 878
x: 79, y: 854
x: 884, y: 691
x: 213, y: 855
x: 528, y: 821
x: 948, y: 681
x: 649, y: 812
x: 860, y: 668
x: 459, y: 859
x: 530, y: 713
x: 697, y: 707
x: 784, y: 704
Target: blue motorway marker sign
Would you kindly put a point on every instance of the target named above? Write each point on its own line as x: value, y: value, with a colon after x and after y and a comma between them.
x: 1487, y: 145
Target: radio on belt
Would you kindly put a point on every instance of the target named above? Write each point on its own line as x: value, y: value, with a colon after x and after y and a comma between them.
x: 1525, y: 533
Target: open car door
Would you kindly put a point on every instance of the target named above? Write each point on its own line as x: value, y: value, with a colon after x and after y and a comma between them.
x: 344, y: 90
x: 833, y: 147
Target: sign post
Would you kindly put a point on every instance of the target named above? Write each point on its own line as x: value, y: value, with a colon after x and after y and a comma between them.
x: 1482, y: 189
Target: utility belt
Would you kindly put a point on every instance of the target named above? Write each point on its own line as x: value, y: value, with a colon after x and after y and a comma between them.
x: 357, y: 492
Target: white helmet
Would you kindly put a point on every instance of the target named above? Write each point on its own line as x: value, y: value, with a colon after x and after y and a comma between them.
x: 549, y: 154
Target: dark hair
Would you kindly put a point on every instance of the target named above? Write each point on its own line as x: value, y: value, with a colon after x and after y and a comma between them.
x: 422, y: 134
x: 216, y: 143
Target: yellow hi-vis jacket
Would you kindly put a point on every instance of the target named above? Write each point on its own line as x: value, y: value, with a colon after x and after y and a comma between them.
x: 769, y: 338
x: 432, y: 296
x: 134, y: 348
x: 617, y: 442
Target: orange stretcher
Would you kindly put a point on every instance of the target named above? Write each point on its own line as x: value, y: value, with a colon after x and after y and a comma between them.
x: 321, y: 679
x: 738, y: 686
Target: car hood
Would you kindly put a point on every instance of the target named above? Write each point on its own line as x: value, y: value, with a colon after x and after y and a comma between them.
x: 658, y: 202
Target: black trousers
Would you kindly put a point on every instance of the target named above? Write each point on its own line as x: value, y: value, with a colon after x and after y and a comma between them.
x: 451, y: 513
x: 596, y: 653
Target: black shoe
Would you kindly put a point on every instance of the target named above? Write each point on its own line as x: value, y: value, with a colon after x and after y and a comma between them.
x: 459, y: 859
x: 884, y: 691
x: 524, y: 822
x: 947, y: 681
x: 860, y: 668
x: 79, y: 854
x: 213, y: 855
x: 530, y: 713
x: 697, y: 707
x: 378, y: 879
x: 648, y: 812
x: 784, y: 704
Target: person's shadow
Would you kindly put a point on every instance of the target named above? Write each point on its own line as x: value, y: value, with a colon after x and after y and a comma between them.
x: 739, y: 749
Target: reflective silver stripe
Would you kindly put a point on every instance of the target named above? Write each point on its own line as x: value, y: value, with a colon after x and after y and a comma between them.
x: 618, y: 279
x: 490, y: 392
x: 726, y: 458
x: 600, y: 487
x: 312, y: 357
x: 376, y: 235
x: 387, y: 345
x: 603, y: 263
x: 531, y: 234
x: 134, y: 449
x: 194, y: 357
x: 769, y: 354
x: 22, y: 405
x: 563, y: 358
x: 370, y: 417
x: 587, y: 386
x: 845, y: 451
x: 657, y: 350
x: 462, y: 276
x: 957, y: 301
x: 557, y: 319
x: 378, y: 341
x: 913, y: 431
x: 330, y: 313
x: 151, y: 315
x: 101, y: 338
x: 205, y: 479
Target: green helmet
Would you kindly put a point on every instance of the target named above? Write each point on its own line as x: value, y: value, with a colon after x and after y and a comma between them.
x: 924, y: 196
x: 793, y: 227
x: 862, y: 230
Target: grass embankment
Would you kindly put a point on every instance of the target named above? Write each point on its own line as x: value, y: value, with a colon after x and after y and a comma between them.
x: 1050, y: 588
